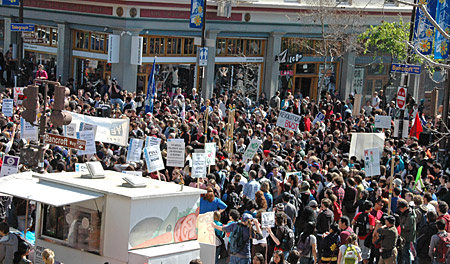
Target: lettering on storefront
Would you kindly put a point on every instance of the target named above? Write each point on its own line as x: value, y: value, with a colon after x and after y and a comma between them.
x: 185, y: 15
x: 104, y: 10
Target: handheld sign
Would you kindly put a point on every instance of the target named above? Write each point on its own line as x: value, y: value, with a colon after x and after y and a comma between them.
x: 135, y: 150
x: 10, y: 165
x: 210, y: 150
x: 198, y: 165
x: 288, y: 121
x: 7, y: 107
x: 319, y: 118
x: 252, y: 149
x: 153, y: 158
x: 382, y: 121
x: 372, y: 161
x: 175, y: 153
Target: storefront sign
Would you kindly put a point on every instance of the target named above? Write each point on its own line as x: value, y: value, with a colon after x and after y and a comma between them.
x: 10, y: 2
x: 198, y: 165
x: 404, y: 68
x: 8, y: 107
x: 22, y: 27
x: 153, y: 159
x: 135, y: 150
x: 284, y: 58
x: 288, y: 121
x: 113, y: 48
x: 136, y: 50
x: 358, y: 80
x: 33, y: 40
x: 10, y: 165
x: 196, y: 14
x: 175, y: 153
x: 287, y: 73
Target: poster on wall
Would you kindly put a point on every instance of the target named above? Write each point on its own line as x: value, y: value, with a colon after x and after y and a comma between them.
x: 358, y: 80
x: 206, y: 233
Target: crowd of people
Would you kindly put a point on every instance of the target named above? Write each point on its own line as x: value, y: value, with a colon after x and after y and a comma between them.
x: 326, y: 210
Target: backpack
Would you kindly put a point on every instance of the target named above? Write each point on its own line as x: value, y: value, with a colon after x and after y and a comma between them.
x: 350, y: 255
x: 237, y: 243
x: 362, y: 223
x: 421, y: 220
x: 442, y: 248
x: 21, y: 240
x: 233, y: 201
x: 288, y: 241
x: 304, y: 247
x: 273, y: 102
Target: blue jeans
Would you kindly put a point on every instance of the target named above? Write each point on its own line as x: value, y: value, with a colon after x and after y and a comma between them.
x: 406, y: 254
x: 238, y: 260
x: 115, y: 101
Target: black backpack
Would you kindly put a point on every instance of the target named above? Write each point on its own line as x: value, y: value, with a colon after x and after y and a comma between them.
x: 233, y: 201
x: 288, y: 241
x: 237, y: 243
x: 361, y: 224
x: 273, y: 102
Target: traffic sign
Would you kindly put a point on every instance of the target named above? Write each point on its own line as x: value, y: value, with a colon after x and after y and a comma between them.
x: 401, y: 97
x: 405, y: 68
x: 22, y: 27
x: 202, y: 54
x: 33, y: 40
x: 67, y: 142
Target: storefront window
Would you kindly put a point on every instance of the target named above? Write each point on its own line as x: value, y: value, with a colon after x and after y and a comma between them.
x: 156, y: 46
x: 168, y: 77
x: 173, y: 46
x: 144, y: 46
x: 73, y: 226
x: 189, y: 47
x: 235, y: 46
x: 33, y: 59
x: 221, y: 47
x: 82, y: 40
x: 244, y: 78
x: 54, y: 37
x: 307, y: 68
x: 253, y: 47
x: 91, y: 70
x: 97, y: 42
x: 91, y: 41
x: 286, y: 78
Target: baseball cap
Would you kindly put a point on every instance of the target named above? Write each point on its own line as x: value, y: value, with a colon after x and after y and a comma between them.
x: 246, y: 217
x: 313, y: 203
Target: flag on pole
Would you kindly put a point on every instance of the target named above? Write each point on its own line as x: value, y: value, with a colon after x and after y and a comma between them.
x: 442, y: 18
x: 423, y: 29
x: 151, y: 90
x: 416, y: 129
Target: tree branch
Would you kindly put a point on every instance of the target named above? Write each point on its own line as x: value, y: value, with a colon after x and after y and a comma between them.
x: 435, y: 64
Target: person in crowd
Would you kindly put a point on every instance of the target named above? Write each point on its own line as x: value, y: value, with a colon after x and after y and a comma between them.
x: 349, y: 252
x: 8, y: 244
x: 408, y: 229
x: 437, y: 251
x: 210, y: 203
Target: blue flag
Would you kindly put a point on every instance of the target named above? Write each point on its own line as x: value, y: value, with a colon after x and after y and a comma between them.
x: 423, y: 29
x: 196, y: 14
x: 442, y: 18
x: 151, y: 90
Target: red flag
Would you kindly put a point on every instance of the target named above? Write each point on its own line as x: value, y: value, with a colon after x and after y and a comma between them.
x: 416, y: 129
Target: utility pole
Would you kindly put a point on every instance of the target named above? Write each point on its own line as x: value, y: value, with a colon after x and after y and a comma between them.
x: 204, y: 93
x: 20, y: 48
x: 444, y: 121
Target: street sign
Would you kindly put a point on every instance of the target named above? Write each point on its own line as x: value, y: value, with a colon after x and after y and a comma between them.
x: 401, y: 97
x: 404, y: 68
x: 67, y: 142
x: 33, y: 40
x: 10, y: 2
x: 22, y: 27
x: 202, y: 56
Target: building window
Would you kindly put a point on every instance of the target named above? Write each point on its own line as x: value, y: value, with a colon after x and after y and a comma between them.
x: 221, y: 47
x: 189, y: 47
x: 97, y: 42
x: 173, y: 46
x: 144, y: 46
x: 235, y: 47
x: 82, y: 40
x: 240, y: 47
x: 73, y: 226
x: 253, y: 47
x: 169, y: 46
x: 91, y: 41
x: 156, y: 46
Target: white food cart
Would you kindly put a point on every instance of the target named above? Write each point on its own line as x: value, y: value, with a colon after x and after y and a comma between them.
x: 100, y: 221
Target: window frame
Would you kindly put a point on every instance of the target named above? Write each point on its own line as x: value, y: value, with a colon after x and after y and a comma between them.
x: 90, y: 35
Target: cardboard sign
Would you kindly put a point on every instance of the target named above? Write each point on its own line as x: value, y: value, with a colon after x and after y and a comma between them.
x: 319, y: 118
x: 372, y: 161
x: 89, y: 137
x: 210, y: 150
x: 27, y: 131
x: 267, y: 219
x: 297, y: 173
x: 151, y: 141
x: 10, y: 165
x: 81, y: 167
x: 8, y: 107
x: 357, y: 104
x: 88, y: 127
x: 18, y: 95
x: 153, y: 158
x: 382, y: 121
x: 198, y: 165
x: 288, y: 121
x: 206, y: 233
x: 175, y: 153
x: 70, y: 130
x: 252, y: 149
x: 135, y: 150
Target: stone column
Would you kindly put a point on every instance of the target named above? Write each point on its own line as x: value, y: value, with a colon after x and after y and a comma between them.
x: 347, y: 74
x: 7, y: 37
x: 64, y: 58
x: 124, y: 71
x: 272, y: 68
x: 208, y: 80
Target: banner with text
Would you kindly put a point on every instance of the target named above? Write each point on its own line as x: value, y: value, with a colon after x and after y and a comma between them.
x: 153, y: 158
x: 288, y: 121
x: 198, y: 165
x: 135, y: 150
x: 252, y: 149
x: 175, y: 153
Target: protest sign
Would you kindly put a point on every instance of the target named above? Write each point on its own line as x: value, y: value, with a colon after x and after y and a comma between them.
x: 319, y: 118
x: 252, y: 149
x: 206, y: 234
x: 297, y: 173
x: 88, y: 127
x: 133, y: 173
x: 288, y: 121
x: 89, y: 136
x: 210, y: 150
x: 10, y: 165
x: 382, y: 121
x: 27, y: 131
x: 372, y: 161
x: 175, y: 153
x: 70, y: 130
x: 81, y: 167
x: 18, y: 96
x: 357, y: 104
x: 109, y: 130
x: 151, y: 141
x: 361, y: 141
x: 135, y: 149
x: 153, y: 158
x: 267, y: 219
x: 8, y: 107
x: 198, y: 165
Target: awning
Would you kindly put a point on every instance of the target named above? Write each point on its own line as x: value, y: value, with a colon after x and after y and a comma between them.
x: 27, y: 187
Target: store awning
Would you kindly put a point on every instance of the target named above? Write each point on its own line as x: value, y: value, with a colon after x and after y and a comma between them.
x: 27, y: 187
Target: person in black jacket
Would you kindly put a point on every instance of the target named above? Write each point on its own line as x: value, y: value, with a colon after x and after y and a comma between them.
x: 424, y: 237
x: 324, y: 220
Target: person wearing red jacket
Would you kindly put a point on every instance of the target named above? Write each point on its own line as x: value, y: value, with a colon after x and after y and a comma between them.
x: 442, y: 211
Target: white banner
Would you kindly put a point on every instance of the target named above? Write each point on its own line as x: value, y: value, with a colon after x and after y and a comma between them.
x: 210, y: 150
x: 252, y: 149
x: 175, y: 153
x: 8, y: 107
x: 27, y: 131
x: 151, y: 141
x: 18, y: 95
x: 10, y: 165
x: 288, y: 121
x: 109, y: 130
x: 137, y: 43
x: 113, y: 48
x: 382, y: 121
x: 198, y: 165
x: 135, y: 150
x: 153, y: 158
x: 372, y: 161
x: 89, y: 136
x: 361, y: 141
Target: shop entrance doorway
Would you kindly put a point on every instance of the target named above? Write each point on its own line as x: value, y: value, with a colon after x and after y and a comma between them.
x: 306, y: 85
